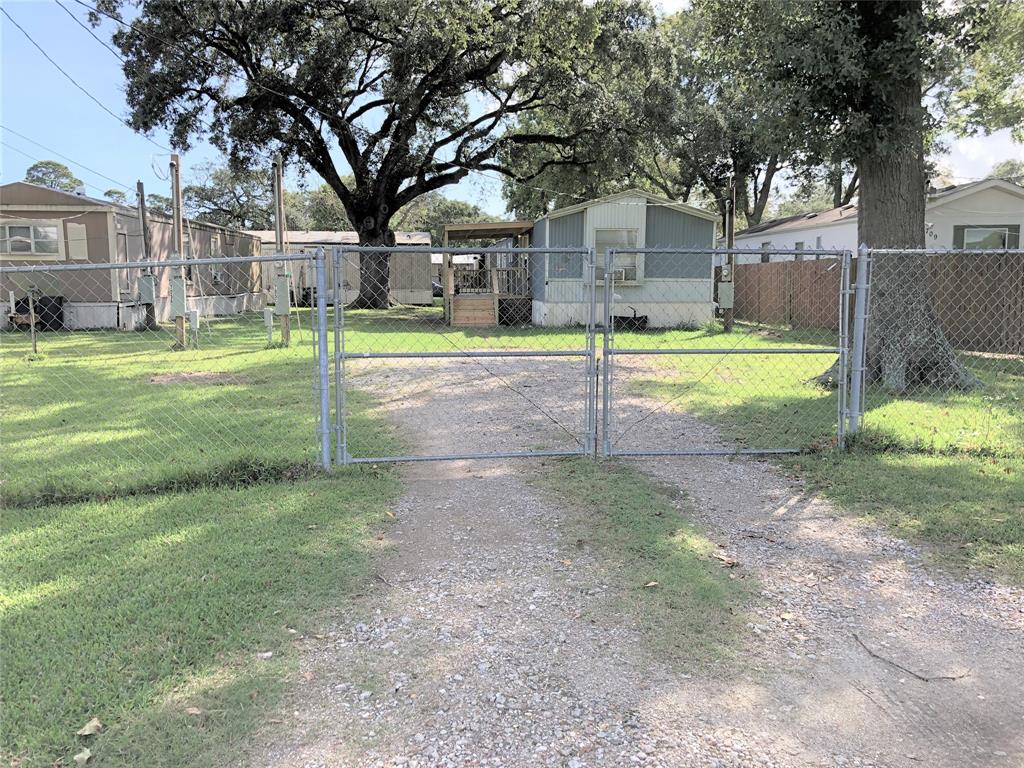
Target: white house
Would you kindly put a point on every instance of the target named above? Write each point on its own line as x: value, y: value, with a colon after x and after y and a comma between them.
x: 982, y: 214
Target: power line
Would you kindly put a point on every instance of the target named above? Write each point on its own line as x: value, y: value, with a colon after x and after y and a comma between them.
x: 84, y: 26
x: 268, y: 89
x: 38, y: 160
x: 121, y: 184
x: 74, y: 82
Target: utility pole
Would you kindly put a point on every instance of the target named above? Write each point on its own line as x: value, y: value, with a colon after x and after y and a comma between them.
x: 727, y: 296
x: 147, y: 283
x: 178, y: 301
x: 282, y: 298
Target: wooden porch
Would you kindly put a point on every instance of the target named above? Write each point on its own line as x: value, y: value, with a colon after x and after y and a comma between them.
x: 492, y: 288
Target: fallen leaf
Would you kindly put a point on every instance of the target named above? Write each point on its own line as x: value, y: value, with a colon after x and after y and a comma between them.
x: 265, y: 655
x: 567, y: 562
x: 787, y: 616
x: 82, y: 757
x: 92, y: 727
x: 390, y: 514
x: 307, y: 676
x: 194, y: 711
x: 650, y: 584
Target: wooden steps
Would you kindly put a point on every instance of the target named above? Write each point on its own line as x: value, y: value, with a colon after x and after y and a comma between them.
x: 474, y: 310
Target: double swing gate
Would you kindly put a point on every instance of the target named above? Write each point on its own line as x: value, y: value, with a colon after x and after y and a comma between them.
x: 543, y: 352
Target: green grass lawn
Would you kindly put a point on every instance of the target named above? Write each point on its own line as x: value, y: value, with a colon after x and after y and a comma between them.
x: 946, y: 469
x: 685, y: 604
x: 136, y: 609
x: 109, y: 412
x: 163, y: 524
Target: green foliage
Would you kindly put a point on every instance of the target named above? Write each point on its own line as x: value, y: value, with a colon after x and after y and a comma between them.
x: 1009, y: 170
x: 415, y: 94
x: 230, y: 196
x: 988, y: 93
x: 50, y: 173
x: 805, y: 199
x: 430, y: 212
x: 158, y: 204
x: 116, y: 196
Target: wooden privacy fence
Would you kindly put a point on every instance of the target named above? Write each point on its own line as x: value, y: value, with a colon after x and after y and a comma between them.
x: 979, y: 298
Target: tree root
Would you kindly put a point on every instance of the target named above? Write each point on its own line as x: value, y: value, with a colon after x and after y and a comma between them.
x: 897, y: 665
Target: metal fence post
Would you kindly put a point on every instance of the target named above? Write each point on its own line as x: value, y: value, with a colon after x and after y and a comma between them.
x: 590, y: 419
x: 859, y: 338
x: 321, y: 357
x: 339, y: 382
x: 606, y: 381
x: 844, y: 350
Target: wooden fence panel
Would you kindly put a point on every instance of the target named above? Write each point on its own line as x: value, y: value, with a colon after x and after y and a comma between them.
x: 979, y: 300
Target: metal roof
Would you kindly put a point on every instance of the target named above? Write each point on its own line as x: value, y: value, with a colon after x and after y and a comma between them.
x: 334, y: 237
x: 651, y: 199
x: 483, y: 230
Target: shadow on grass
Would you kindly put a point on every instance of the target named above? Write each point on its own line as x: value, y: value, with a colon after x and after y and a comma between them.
x: 138, y: 608
x: 90, y: 433
x: 968, y: 509
x: 947, y: 470
x: 673, y: 592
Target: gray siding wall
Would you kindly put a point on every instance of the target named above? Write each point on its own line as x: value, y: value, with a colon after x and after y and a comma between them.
x: 538, y: 239
x: 667, y: 228
x: 566, y: 232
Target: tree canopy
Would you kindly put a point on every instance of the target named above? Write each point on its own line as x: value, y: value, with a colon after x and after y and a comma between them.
x: 50, y: 173
x: 406, y: 96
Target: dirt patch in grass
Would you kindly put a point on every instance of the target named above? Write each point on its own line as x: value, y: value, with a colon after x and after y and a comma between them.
x: 195, y: 377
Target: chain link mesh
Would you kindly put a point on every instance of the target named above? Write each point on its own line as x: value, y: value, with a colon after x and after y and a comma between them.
x: 448, y: 343
x: 679, y: 382
x: 945, y: 352
x: 128, y: 377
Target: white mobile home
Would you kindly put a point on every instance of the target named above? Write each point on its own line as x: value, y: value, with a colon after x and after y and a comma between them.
x: 982, y: 214
x: 410, y: 281
x: 670, y: 289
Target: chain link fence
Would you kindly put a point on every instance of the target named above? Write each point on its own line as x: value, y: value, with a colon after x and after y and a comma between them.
x: 449, y: 345
x: 120, y: 378
x: 944, y: 351
x: 676, y: 382
x: 128, y: 377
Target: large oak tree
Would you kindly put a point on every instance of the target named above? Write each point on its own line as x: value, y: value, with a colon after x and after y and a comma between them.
x: 405, y: 96
x: 851, y: 76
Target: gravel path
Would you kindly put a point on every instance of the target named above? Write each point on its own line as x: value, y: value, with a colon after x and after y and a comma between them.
x: 483, y: 642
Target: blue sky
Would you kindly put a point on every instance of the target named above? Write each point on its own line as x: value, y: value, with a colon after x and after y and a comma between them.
x: 37, y: 101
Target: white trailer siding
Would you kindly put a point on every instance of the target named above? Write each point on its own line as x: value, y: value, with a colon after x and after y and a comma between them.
x: 671, y: 289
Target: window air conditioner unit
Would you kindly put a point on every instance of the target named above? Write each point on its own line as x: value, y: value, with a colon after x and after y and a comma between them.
x: 625, y: 275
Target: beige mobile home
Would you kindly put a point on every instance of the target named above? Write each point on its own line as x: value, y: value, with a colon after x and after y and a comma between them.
x: 42, y: 226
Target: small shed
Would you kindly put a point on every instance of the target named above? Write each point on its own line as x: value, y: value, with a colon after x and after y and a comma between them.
x: 671, y: 289
x: 48, y: 227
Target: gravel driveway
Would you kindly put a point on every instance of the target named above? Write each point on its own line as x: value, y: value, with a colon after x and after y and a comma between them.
x: 472, y: 649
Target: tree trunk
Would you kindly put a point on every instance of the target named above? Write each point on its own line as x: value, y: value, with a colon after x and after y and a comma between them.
x: 906, y: 344
x: 374, y: 270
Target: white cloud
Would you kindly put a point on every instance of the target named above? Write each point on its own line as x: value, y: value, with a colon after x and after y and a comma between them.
x: 973, y: 157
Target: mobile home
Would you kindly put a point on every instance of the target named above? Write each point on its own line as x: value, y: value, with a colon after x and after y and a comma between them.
x: 674, y: 288
x: 42, y: 226
x: 410, y: 276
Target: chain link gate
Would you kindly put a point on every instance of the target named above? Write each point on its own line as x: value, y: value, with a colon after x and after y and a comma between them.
x: 471, y: 373
x: 675, y: 384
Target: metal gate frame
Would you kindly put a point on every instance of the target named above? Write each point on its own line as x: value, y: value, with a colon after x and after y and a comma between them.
x: 339, y: 425
x: 610, y: 351
x: 598, y: 400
